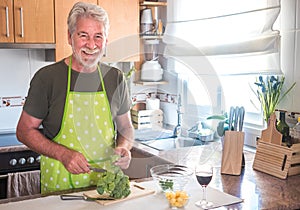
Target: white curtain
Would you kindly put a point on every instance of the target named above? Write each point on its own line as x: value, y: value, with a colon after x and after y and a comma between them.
x: 233, y: 35
x: 23, y: 183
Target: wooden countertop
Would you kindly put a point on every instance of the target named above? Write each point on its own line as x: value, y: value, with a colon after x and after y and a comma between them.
x: 259, y: 190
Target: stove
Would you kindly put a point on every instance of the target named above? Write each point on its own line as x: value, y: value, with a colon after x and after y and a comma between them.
x: 17, y: 160
x: 15, y: 157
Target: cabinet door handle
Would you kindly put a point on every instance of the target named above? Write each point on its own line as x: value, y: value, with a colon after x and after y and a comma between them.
x: 7, y: 21
x: 21, y: 21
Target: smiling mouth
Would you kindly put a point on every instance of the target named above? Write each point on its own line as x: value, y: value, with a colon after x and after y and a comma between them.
x: 90, y: 52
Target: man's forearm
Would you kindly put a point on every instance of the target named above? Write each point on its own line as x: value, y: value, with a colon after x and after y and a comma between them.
x: 36, y: 141
x: 125, y: 138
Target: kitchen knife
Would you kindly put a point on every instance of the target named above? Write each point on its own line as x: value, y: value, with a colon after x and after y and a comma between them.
x: 81, y: 197
x: 236, y: 118
x: 99, y: 170
x: 241, y: 116
x: 230, y: 121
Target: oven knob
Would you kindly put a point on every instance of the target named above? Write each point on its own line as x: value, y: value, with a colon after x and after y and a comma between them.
x: 13, y: 162
x: 38, y: 159
x: 22, y: 161
x: 30, y: 160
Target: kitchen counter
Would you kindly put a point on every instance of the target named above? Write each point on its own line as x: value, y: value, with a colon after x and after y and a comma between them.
x: 257, y: 189
x: 155, y: 201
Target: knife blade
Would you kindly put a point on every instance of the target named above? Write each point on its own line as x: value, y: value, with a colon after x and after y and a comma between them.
x: 99, y: 170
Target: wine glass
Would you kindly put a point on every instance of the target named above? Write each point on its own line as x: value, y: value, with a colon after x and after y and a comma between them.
x: 204, y: 175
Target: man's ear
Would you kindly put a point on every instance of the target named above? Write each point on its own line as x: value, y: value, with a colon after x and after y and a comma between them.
x: 69, y: 38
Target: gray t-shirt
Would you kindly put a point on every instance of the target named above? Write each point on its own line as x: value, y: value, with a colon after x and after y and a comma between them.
x: 47, y: 92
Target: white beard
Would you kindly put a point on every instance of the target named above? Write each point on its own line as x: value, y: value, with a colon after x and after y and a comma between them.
x: 88, y: 63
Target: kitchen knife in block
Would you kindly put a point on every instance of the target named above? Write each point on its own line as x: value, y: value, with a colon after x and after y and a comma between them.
x: 271, y: 134
x: 136, y: 192
x: 232, y: 154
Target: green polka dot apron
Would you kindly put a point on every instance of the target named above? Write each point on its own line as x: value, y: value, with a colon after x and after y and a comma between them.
x: 87, y: 127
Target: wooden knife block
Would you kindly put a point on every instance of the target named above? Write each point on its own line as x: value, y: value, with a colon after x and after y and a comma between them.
x: 232, y: 154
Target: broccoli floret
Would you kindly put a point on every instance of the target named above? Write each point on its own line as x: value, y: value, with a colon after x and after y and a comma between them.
x: 116, y: 185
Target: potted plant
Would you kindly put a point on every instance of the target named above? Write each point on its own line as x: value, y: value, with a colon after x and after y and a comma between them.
x: 270, y: 94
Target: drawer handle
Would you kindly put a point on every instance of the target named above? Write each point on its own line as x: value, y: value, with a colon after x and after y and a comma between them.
x: 7, y: 21
x: 3, y: 176
x: 21, y: 21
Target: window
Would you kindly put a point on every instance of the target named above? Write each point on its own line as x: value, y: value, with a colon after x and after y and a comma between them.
x: 232, y: 41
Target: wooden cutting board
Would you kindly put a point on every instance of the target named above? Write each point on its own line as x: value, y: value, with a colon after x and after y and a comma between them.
x: 271, y: 134
x: 136, y: 192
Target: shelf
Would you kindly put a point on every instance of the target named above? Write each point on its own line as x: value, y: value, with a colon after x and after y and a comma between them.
x: 150, y: 36
x: 150, y: 83
x: 152, y: 3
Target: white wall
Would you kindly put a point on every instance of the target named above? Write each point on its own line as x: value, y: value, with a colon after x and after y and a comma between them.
x: 290, y: 51
x: 17, y: 66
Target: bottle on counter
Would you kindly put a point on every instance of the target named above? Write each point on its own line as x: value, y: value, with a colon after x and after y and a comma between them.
x: 295, y: 132
x: 283, y: 128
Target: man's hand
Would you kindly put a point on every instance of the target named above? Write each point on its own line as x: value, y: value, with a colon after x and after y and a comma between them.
x: 75, y: 162
x: 125, y: 159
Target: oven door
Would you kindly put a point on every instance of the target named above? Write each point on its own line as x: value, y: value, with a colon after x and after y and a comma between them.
x: 3, y: 186
x: 20, y: 184
x: 23, y: 183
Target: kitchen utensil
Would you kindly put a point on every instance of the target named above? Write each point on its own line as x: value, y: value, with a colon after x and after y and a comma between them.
x: 236, y: 118
x: 271, y: 134
x: 232, y: 155
x: 241, y: 117
x: 230, y: 120
x: 136, y: 192
x: 95, y: 169
x: 82, y: 197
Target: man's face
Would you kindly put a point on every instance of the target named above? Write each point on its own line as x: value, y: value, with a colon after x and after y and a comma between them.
x: 88, y: 42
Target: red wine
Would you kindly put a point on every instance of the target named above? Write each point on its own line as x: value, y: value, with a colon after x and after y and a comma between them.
x: 204, y: 178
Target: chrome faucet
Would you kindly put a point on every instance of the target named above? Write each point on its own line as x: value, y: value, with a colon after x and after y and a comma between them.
x: 177, y: 129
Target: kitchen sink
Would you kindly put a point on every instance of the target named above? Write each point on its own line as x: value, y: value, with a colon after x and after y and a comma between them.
x: 172, y: 143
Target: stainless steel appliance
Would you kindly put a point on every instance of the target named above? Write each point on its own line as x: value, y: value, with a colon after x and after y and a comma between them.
x: 19, y: 168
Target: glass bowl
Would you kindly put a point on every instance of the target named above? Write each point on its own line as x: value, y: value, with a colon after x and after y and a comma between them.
x: 171, y: 177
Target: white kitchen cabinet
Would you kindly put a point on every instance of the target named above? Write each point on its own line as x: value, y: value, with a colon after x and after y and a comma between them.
x: 23, y: 21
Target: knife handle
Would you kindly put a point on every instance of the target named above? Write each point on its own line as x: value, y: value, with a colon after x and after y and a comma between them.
x: 71, y: 197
